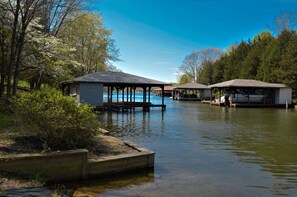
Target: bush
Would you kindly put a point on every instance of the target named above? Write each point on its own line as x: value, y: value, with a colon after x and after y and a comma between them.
x: 5, y: 105
x: 57, y: 120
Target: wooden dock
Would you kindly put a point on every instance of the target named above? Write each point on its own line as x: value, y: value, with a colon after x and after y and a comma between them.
x: 188, y: 99
x: 220, y: 104
x: 128, y: 106
x: 248, y: 105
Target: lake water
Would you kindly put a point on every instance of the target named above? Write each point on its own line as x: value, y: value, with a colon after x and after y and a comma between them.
x: 204, y: 150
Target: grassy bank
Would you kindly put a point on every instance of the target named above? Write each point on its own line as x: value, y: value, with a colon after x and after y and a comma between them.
x: 7, y: 122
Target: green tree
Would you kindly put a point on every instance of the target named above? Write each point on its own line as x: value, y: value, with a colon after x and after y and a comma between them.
x: 184, y: 78
x: 5, y: 34
x: 206, y: 73
x: 234, y: 61
x: 254, y: 57
x: 287, y: 69
x: 263, y: 35
x: 193, y: 63
x: 94, y: 49
x: 46, y: 59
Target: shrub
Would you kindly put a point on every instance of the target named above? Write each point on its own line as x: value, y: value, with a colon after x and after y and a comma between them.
x: 5, y: 105
x: 57, y: 120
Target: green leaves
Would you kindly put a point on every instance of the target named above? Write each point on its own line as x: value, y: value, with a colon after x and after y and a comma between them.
x: 193, y: 63
x: 57, y: 119
x: 266, y: 58
x: 94, y: 49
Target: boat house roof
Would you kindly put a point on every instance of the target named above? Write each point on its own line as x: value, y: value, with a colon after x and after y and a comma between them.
x: 192, y: 86
x: 166, y: 88
x: 116, y: 78
x: 248, y: 83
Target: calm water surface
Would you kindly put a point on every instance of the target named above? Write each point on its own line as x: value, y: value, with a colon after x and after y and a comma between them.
x: 207, y: 151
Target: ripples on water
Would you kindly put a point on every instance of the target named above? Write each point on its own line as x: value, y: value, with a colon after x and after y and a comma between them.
x: 208, y: 151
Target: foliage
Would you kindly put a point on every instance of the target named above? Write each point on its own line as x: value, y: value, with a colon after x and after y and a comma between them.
x: 94, y: 49
x: 47, y: 59
x: 41, y: 41
x: 193, y: 63
x: 38, y: 178
x: 285, y: 21
x: 7, y: 121
x: 266, y: 58
x: 57, y: 119
x: 183, y: 79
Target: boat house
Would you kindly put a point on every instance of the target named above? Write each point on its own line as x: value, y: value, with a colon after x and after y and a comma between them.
x: 191, y: 92
x: 251, y: 93
x: 119, y: 88
x: 168, y: 90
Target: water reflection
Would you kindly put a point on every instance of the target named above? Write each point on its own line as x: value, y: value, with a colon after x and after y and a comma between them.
x: 134, y: 123
x: 109, y: 183
x: 209, y: 151
x: 266, y: 137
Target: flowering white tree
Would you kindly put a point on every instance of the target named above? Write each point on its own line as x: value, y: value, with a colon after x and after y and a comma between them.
x: 45, y: 58
x: 37, y: 46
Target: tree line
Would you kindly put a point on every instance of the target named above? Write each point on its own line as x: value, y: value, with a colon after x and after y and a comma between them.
x: 47, y: 41
x: 266, y: 57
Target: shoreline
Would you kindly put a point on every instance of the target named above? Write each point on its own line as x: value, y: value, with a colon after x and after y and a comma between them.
x: 113, y: 147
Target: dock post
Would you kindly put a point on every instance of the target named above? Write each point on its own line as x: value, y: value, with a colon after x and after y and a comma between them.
x: 162, y: 98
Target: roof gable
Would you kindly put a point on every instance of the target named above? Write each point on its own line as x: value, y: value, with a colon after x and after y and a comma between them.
x: 111, y: 77
x: 246, y: 83
x: 191, y: 86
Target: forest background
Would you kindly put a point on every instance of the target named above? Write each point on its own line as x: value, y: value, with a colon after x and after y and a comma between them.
x: 49, y: 41
x: 270, y: 56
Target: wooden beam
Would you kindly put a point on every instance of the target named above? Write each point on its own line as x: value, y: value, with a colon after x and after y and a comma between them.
x: 123, y: 94
x: 162, y: 87
x: 149, y: 94
x: 127, y: 99
x: 130, y: 94
x: 117, y: 94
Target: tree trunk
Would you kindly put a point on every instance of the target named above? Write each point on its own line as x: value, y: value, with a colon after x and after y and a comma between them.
x: 39, y: 81
x: 12, y: 48
x: 18, y: 62
x: 2, y: 67
x: 32, y: 84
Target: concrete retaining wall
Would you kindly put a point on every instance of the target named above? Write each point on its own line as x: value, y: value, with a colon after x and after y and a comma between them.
x: 64, y: 166
x: 74, y: 165
x: 121, y: 163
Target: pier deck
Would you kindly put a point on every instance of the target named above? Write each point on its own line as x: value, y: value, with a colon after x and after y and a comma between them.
x: 213, y: 103
x: 248, y: 105
x: 128, y: 106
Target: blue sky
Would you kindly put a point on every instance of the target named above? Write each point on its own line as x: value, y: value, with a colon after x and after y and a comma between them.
x: 154, y: 36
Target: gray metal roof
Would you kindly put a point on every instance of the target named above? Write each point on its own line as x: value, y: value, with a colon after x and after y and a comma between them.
x: 111, y: 77
x: 246, y: 83
x: 192, y: 86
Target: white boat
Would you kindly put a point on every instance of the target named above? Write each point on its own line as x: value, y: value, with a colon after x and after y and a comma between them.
x: 246, y: 98
x: 242, y: 97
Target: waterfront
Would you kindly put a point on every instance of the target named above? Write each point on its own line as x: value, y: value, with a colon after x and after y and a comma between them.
x: 206, y: 150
